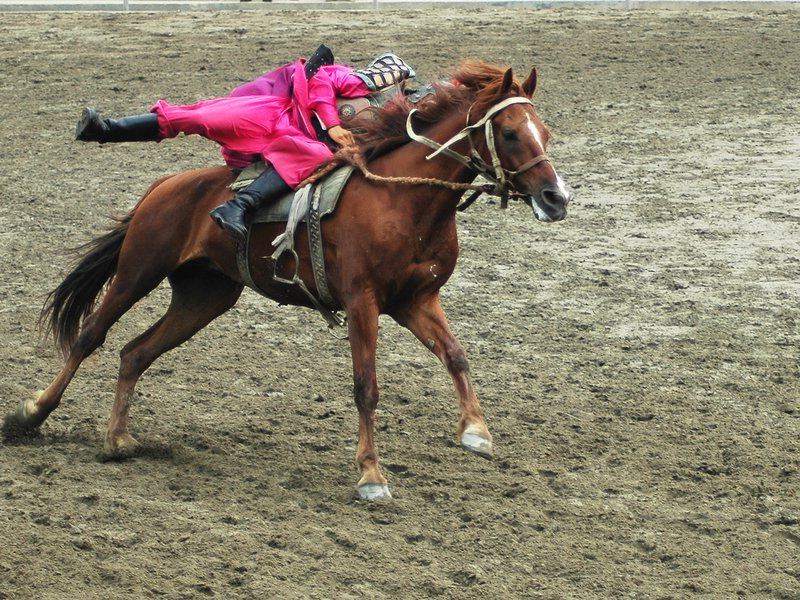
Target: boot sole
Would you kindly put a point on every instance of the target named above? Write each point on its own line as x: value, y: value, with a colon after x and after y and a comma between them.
x: 87, y: 117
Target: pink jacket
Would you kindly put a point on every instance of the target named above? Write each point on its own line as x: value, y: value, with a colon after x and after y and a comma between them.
x: 319, y: 96
x: 276, y: 126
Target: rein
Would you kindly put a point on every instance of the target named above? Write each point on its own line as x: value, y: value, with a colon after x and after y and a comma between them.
x: 500, y: 177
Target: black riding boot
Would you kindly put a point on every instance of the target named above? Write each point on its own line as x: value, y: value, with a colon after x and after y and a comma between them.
x: 232, y: 215
x: 139, y: 128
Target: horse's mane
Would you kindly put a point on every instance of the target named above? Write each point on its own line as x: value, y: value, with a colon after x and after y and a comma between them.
x: 381, y: 130
x: 476, y: 83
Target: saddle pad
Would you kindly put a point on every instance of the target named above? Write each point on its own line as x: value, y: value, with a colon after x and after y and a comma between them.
x: 331, y: 188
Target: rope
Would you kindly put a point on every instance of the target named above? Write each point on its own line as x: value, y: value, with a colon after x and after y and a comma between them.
x: 353, y: 156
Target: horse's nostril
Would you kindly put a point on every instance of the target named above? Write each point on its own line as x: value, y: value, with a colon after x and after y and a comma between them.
x: 554, y: 197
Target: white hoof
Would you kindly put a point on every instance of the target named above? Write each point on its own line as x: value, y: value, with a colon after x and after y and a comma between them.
x: 27, y: 414
x: 477, y: 444
x: 27, y: 408
x: 23, y: 421
x: 374, y: 491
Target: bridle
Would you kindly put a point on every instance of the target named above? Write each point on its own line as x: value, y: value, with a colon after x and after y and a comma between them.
x: 501, y: 178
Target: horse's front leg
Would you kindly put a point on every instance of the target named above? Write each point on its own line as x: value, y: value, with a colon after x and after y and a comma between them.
x: 425, y: 318
x: 362, y: 325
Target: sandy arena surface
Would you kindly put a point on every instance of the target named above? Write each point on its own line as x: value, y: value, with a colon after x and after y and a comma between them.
x: 638, y: 363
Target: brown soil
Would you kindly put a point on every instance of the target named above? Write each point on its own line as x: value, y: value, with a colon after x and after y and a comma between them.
x: 638, y: 363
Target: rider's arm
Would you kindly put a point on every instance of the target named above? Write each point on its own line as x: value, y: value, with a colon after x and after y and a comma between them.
x: 323, y: 90
x: 322, y: 99
x: 332, y: 82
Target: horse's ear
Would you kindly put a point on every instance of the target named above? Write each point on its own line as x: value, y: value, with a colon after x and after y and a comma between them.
x: 529, y: 85
x: 508, y: 79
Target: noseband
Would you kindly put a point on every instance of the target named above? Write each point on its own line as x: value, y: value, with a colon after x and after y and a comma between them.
x: 494, y: 172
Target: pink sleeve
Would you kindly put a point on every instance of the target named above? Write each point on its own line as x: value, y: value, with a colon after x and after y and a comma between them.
x: 322, y: 98
x: 330, y: 82
x: 346, y: 83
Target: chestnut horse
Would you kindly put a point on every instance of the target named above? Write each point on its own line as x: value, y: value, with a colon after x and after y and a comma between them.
x: 389, y: 248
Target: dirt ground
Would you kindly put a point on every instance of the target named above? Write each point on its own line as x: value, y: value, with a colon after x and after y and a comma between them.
x: 638, y: 363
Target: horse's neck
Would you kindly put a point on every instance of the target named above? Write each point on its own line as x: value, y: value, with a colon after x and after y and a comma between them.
x: 447, y: 168
x: 437, y: 200
x: 432, y: 208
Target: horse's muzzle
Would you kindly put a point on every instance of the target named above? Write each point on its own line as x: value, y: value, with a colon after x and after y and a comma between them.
x: 550, y: 204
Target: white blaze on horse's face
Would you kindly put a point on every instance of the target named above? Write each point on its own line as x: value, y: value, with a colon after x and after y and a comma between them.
x: 549, y: 204
x: 535, y: 132
x: 537, y: 136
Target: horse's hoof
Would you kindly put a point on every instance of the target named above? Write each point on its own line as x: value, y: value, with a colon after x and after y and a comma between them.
x: 22, y: 422
x: 374, y: 491
x: 120, y: 447
x: 477, y: 444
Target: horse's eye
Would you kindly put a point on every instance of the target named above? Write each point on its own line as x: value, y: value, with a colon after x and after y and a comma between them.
x: 509, y: 134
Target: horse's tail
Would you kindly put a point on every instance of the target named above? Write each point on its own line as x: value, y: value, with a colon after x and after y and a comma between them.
x: 73, y: 300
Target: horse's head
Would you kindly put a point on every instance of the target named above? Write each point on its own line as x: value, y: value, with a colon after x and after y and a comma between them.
x: 520, y: 142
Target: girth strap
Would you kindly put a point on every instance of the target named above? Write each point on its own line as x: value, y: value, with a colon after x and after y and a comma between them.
x: 243, y: 261
x: 325, y: 304
x: 318, y: 252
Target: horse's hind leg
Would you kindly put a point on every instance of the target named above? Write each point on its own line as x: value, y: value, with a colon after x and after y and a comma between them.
x: 199, y: 296
x: 123, y: 293
x: 427, y: 321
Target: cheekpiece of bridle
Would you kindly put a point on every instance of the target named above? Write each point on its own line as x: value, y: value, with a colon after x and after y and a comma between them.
x: 502, y: 179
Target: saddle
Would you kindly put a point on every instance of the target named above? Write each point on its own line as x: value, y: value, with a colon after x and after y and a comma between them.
x: 329, y: 189
x: 310, y: 204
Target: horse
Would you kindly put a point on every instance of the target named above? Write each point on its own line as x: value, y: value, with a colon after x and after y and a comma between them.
x: 389, y: 247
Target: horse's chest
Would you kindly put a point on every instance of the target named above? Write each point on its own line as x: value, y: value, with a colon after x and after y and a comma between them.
x: 413, y: 257
x: 443, y: 254
x: 431, y: 265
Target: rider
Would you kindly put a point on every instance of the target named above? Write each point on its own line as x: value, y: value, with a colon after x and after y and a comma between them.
x: 269, y: 118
